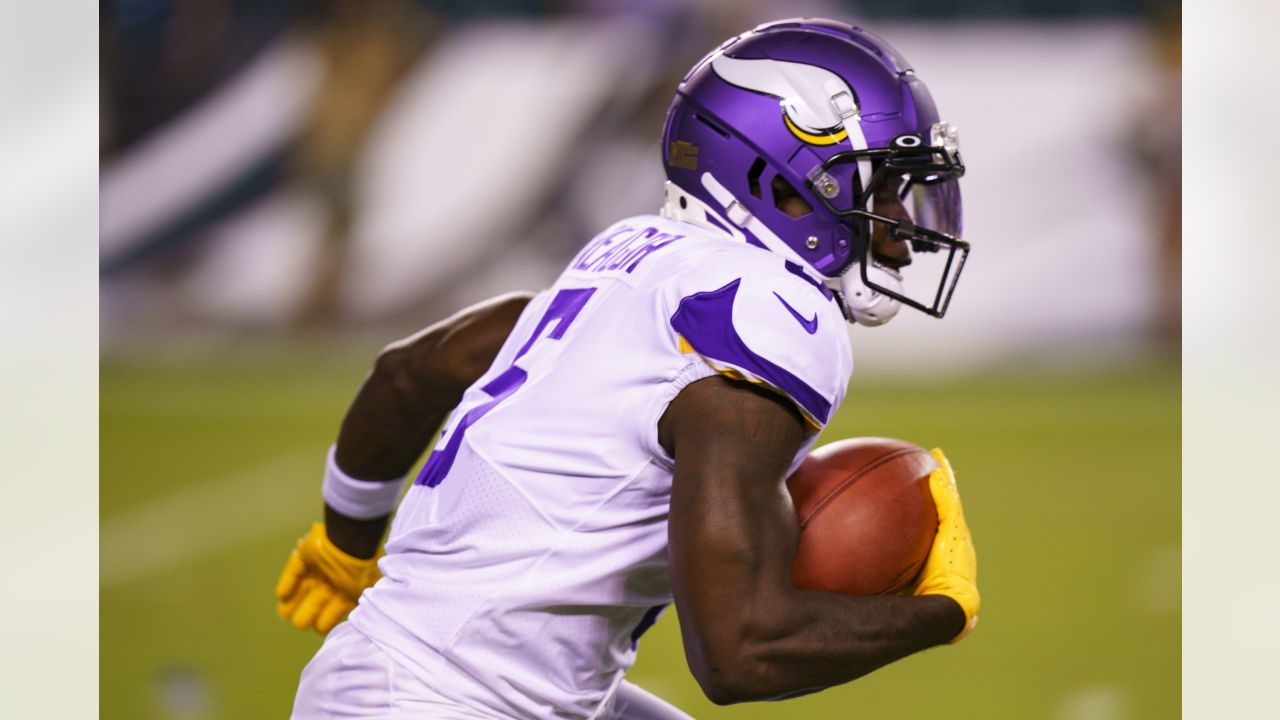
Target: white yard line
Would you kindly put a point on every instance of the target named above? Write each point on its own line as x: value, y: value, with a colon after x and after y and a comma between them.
x: 211, y: 517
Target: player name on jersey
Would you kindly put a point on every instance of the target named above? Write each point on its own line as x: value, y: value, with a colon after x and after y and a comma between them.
x: 608, y: 252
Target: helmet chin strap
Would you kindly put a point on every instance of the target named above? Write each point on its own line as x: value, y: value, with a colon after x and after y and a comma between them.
x: 682, y: 206
x: 735, y: 219
x: 742, y: 218
x: 863, y: 304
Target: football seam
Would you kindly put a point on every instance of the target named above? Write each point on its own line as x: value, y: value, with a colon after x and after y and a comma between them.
x: 826, y: 500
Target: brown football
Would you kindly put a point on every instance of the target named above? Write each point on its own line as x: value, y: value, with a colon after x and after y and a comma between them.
x: 867, y: 519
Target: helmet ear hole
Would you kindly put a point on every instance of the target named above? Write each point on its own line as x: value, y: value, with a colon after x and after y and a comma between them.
x: 753, y: 177
x: 787, y: 200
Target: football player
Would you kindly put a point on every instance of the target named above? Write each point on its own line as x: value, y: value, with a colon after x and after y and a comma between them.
x: 620, y: 441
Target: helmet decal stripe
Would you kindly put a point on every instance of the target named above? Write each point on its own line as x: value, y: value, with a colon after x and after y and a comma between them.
x: 851, y: 117
x: 824, y: 139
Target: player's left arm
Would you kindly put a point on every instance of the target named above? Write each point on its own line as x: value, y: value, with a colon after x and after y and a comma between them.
x: 749, y: 634
x: 413, y: 385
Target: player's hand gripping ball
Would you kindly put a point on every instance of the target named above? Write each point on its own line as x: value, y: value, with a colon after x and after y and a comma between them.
x: 952, y: 567
x: 321, y: 583
x: 879, y: 516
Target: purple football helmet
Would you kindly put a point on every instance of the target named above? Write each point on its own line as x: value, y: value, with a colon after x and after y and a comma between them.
x: 828, y: 114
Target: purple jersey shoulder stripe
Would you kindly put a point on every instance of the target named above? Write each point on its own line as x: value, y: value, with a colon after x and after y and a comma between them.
x: 798, y: 271
x: 705, y: 321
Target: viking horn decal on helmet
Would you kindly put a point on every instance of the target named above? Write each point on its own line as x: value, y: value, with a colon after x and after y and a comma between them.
x: 818, y: 105
x: 807, y: 92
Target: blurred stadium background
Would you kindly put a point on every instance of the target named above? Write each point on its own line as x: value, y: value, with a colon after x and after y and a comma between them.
x: 286, y: 185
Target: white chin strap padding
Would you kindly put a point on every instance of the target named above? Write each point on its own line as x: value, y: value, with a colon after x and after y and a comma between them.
x: 866, y: 306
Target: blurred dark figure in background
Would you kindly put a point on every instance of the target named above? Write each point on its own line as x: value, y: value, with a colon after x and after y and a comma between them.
x: 1159, y: 142
x: 166, y: 63
x: 367, y: 46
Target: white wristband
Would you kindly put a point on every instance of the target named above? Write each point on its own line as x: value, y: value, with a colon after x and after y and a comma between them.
x: 359, y: 499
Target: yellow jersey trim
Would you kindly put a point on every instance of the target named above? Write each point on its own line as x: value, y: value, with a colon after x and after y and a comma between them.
x: 736, y: 374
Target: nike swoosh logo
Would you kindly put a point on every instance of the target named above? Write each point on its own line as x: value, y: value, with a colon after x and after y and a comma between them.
x: 810, y: 326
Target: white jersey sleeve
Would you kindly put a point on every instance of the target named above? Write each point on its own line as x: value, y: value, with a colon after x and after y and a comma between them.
x: 779, y: 328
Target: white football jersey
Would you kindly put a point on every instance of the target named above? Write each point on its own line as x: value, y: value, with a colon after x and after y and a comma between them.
x: 531, y: 552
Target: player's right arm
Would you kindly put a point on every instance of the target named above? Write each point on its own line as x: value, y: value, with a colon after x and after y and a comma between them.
x: 413, y: 385
x: 748, y: 633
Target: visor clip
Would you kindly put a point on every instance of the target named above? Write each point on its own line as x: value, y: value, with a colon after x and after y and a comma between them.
x: 827, y: 186
x: 844, y: 105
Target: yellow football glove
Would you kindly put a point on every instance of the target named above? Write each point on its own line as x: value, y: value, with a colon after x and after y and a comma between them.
x: 320, y: 583
x: 952, y: 567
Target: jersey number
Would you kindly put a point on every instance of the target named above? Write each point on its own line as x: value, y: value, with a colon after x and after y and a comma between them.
x: 562, y: 311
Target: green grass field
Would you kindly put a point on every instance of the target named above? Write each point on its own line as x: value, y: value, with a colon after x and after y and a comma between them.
x: 1071, y: 482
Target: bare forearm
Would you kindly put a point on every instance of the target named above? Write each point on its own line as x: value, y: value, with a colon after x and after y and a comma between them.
x: 749, y: 634
x: 390, y: 423
x: 805, y: 639
x: 830, y: 639
x: 386, y: 429
x: 777, y: 641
